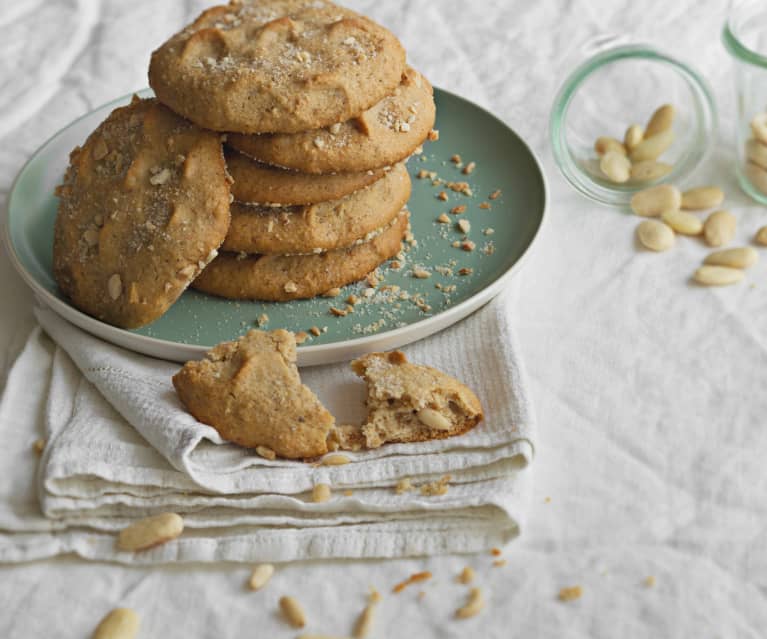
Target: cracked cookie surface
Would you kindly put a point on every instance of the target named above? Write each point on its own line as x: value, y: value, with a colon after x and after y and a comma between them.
x: 143, y: 208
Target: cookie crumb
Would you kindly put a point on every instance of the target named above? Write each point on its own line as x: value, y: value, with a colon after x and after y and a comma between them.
x: 436, y: 488
x: 352, y: 299
x: 443, y: 219
x: 499, y: 563
x: 321, y: 493
x: 266, y: 453
x: 465, y: 271
x: 649, y: 582
x: 460, y: 187
x: 495, y: 194
x: 314, y: 330
x: 486, y: 206
x: 457, y: 210
x: 468, y: 245
x: 489, y: 231
x: 262, y: 320
x: 570, y: 594
x: 466, y: 576
x: 301, y: 337
x: 39, y: 446
x: 333, y: 292
x: 469, y: 168
x: 420, y: 273
x: 404, y: 485
x: 456, y: 159
x: 464, y: 226
x: 442, y: 196
x: 496, y: 552
x: 433, y: 135
x: 338, y: 312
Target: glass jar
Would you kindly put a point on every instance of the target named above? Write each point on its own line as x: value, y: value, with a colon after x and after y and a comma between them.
x: 745, y: 37
x: 620, y: 84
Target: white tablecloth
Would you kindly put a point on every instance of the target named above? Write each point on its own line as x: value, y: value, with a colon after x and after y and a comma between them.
x: 649, y: 392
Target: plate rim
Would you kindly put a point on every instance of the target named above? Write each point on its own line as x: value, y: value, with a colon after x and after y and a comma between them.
x: 307, y: 355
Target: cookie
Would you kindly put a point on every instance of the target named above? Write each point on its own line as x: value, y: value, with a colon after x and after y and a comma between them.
x: 276, y: 66
x: 249, y: 390
x: 143, y: 208
x: 413, y: 403
x: 320, y: 227
x: 257, y: 183
x: 279, y: 278
x: 386, y: 134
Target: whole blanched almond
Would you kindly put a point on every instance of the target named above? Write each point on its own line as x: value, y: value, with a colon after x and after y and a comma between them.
x: 757, y: 176
x: 260, y: 576
x: 649, y: 170
x: 655, y: 200
x: 655, y: 235
x: 434, y: 419
x: 151, y: 531
x: 756, y: 152
x: 662, y: 120
x: 759, y: 127
x: 719, y: 228
x: 651, y: 148
x: 702, y: 197
x: 293, y: 612
x: 605, y: 144
x: 121, y: 623
x: 616, y: 167
x: 634, y: 135
x: 761, y: 236
x: 682, y: 222
x: 743, y: 257
x: 718, y: 275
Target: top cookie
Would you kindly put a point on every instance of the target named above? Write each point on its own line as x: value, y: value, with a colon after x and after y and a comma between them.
x: 251, y: 393
x: 276, y: 66
x: 143, y: 208
x: 383, y: 135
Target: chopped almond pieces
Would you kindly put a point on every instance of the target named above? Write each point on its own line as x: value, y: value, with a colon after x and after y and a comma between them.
x: 412, y: 579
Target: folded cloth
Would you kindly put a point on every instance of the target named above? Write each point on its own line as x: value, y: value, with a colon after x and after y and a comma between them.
x: 121, y: 446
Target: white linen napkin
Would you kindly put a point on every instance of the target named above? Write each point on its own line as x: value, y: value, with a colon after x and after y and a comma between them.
x: 121, y: 446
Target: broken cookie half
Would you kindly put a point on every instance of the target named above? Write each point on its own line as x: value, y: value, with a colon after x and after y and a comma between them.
x: 413, y: 403
x: 249, y: 390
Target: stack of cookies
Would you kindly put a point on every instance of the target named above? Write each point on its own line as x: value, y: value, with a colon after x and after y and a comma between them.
x: 318, y: 111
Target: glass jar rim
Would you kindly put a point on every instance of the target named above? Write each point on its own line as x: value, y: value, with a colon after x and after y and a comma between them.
x: 557, y: 130
x: 734, y: 45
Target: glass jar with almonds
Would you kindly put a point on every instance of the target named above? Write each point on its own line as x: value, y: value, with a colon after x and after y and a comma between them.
x: 745, y: 37
x: 630, y: 116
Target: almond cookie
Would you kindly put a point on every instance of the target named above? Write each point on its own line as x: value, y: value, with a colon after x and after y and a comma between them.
x: 249, y: 390
x: 143, y: 208
x: 297, y: 230
x: 386, y: 134
x: 257, y: 183
x: 276, y: 66
x: 278, y: 278
x: 413, y: 403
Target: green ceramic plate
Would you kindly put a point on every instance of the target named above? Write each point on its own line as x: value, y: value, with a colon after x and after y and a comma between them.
x: 389, y: 319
